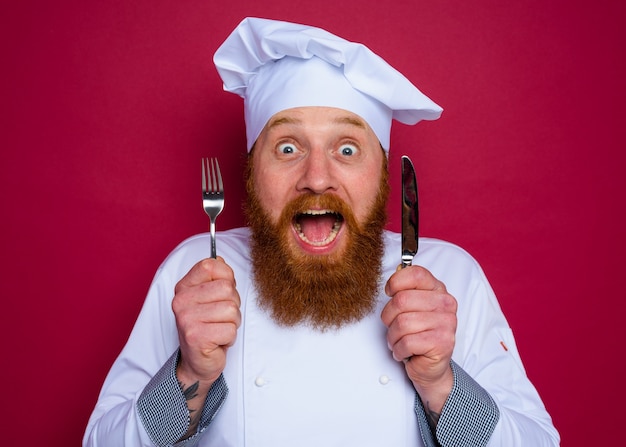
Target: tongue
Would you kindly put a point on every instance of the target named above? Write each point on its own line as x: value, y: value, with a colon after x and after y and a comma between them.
x: 317, y: 228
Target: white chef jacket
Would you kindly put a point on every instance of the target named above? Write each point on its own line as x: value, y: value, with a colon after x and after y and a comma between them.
x: 297, y: 386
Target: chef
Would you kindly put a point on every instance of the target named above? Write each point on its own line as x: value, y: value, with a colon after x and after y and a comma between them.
x: 304, y: 331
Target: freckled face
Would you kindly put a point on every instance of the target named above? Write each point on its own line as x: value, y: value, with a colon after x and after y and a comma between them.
x: 320, y: 165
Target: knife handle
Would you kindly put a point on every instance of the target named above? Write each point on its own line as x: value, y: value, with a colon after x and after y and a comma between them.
x: 407, y: 260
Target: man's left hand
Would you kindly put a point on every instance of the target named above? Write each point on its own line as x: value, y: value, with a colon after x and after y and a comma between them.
x: 421, y: 321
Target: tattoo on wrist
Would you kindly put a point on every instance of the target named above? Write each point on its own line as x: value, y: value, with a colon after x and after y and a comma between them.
x: 432, y: 416
x: 189, y: 393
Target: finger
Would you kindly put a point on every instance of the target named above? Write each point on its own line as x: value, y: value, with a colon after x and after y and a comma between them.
x: 209, y: 312
x: 210, y: 336
x: 205, y: 298
x: 408, y: 323
x: 435, y: 343
x: 414, y: 344
x: 206, y: 336
x: 439, y: 327
x: 207, y: 270
x: 412, y: 277
x: 408, y: 301
x: 219, y: 312
x: 215, y: 290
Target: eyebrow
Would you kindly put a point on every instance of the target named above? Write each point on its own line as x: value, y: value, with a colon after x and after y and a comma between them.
x: 282, y: 120
x: 351, y: 121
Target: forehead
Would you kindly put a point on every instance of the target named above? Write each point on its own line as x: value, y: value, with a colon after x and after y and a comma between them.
x: 328, y: 117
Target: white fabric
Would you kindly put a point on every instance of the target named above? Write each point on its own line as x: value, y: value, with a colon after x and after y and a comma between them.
x: 278, y: 65
x: 290, y: 387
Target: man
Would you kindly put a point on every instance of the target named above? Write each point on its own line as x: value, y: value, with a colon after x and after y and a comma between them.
x: 304, y: 331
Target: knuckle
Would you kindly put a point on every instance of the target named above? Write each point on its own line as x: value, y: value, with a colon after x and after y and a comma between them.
x: 419, y: 273
x: 401, y: 300
x: 190, y: 335
x: 232, y: 332
x: 403, y: 321
x: 178, y: 306
x: 179, y: 287
x: 234, y: 314
x: 450, y: 303
x: 406, y: 345
x: 230, y: 289
x: 206, y: 264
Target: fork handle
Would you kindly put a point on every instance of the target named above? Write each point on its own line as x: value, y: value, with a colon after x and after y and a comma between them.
x: 213, y: 249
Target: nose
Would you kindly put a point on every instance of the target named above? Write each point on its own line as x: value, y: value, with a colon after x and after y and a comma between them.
x: 317, y: 175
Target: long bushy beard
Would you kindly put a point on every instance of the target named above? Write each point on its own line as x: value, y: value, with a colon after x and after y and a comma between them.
x: 322, y: 291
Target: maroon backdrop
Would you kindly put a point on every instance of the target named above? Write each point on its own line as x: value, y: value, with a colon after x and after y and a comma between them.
x: 107, y: 108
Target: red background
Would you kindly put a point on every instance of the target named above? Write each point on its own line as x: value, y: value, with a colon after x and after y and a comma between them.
x: 108, y: 106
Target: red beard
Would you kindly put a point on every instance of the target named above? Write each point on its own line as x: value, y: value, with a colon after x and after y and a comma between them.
x: 323, y: 291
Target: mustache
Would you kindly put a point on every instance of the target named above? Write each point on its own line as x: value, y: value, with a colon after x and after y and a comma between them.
x: 310, y: 201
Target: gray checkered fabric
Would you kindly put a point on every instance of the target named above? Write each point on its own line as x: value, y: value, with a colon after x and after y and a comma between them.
x: 468, y: 418
x: 163, y: 409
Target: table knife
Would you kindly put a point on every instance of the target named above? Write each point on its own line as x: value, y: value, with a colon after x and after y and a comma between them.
x: 410, y: 213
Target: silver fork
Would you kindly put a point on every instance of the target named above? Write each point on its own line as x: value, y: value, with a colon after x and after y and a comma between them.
x: 212, y: 194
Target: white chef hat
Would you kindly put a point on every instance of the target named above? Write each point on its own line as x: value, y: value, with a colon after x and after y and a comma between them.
x: 278, y: 65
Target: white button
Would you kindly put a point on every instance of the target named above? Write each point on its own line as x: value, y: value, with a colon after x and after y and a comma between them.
x: 260, y: 381
x: 384, y: 380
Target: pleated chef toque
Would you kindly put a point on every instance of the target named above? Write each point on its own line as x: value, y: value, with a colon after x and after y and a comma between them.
x: 277, y: 65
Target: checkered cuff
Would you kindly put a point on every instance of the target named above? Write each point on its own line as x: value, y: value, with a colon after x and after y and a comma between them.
x: 468, y: 418
x: 163, y: 409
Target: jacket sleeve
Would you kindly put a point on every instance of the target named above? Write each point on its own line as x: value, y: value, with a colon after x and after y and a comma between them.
x: 468, y: 417
x: 163, y: 410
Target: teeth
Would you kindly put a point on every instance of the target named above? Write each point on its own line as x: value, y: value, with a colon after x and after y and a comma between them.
x: 317, y: 212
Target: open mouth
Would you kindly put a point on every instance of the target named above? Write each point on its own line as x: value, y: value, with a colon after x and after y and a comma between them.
x: 318, y: 227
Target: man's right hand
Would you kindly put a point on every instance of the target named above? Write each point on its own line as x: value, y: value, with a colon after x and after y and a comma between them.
x: 206, y: 306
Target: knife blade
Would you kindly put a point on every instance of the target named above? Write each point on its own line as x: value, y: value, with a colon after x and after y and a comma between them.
x: 410, y: 213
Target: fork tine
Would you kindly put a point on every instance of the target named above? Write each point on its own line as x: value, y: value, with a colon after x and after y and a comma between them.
x: 212, y: 182
x: 218, y: 187
x: 204, y: 179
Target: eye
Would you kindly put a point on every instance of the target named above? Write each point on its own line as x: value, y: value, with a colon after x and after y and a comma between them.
x: 286, y: 148
x: 348, y: 150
